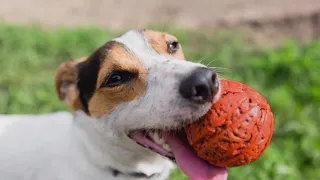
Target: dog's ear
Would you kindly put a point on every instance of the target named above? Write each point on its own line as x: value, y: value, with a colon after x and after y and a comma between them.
x: 66, y: 83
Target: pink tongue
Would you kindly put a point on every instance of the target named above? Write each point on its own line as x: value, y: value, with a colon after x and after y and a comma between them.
x: 194, y: 167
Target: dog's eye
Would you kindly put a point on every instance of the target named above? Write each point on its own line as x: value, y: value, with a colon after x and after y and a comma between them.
x: 117, y: 78
x: 173, y: 46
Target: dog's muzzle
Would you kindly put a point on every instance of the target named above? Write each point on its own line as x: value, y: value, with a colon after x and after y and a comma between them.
x: 200, y: 87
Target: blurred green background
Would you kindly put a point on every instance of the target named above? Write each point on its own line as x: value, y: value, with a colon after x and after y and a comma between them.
x: 289, y: 77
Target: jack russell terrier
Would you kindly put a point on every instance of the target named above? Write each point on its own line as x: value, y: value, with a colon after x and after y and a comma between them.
x: 130, y: 101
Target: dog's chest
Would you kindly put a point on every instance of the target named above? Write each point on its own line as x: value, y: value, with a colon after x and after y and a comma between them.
x: 40, y: 148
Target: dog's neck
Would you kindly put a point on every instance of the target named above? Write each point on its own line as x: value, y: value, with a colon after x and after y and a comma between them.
x: 105, y: 147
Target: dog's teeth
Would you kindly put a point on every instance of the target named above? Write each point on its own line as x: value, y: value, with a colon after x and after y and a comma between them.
x: 151, y: 134
x: 167, y: 147
x: 156, y: 138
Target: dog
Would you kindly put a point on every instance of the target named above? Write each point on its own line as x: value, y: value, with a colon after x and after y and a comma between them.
x: 130, y: 100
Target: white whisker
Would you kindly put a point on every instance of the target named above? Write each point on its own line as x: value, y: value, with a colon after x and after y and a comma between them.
x: 203, y: 59
x: 219, y: 68
x: 208, y: 65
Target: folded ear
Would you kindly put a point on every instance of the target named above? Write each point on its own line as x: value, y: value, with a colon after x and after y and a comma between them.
x: 66, y: 83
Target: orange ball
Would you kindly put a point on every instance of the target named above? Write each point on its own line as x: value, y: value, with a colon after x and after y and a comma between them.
x: 236, y: 131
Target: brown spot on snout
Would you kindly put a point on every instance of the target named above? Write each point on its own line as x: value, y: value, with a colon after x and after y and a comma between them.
x: 107, y: 99
x: 160, y: 42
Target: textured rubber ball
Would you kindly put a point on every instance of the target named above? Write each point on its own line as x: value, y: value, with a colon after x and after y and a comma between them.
x: 236, y: 131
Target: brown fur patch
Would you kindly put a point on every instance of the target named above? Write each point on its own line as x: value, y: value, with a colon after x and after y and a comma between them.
x: 105, y: 100
x: 159, y: 42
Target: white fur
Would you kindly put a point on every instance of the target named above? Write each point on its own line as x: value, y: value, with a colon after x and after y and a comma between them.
x: 56, y: 146
x: 61, y: 147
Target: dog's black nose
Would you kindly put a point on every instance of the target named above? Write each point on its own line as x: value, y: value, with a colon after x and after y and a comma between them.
x: 201, y: 86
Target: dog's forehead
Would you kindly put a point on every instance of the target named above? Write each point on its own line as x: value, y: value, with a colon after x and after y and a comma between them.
x: 139, y: 44
x: 134, y: 40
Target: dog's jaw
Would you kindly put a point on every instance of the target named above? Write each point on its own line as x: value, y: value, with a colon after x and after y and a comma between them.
x: 107, y: 147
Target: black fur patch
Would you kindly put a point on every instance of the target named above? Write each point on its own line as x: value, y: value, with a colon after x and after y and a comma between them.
x: 88, y: 73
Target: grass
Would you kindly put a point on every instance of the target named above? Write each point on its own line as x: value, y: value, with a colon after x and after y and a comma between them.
x: 289, y: 77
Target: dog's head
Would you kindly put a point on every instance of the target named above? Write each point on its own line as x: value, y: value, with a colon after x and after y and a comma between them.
x: 140, y: 84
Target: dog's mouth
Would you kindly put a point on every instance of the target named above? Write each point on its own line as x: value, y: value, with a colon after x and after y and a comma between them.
x: 174, y: 145
x: 156, y: 140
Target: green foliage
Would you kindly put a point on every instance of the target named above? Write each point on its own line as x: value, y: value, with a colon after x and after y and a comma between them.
x: 289, y: 77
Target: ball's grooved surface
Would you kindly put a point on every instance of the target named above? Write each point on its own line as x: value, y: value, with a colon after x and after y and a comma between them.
x: 237, y: 130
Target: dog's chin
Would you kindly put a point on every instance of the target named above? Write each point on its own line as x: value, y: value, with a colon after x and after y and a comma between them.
x: 158, y: 139
x: 174, y: 145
